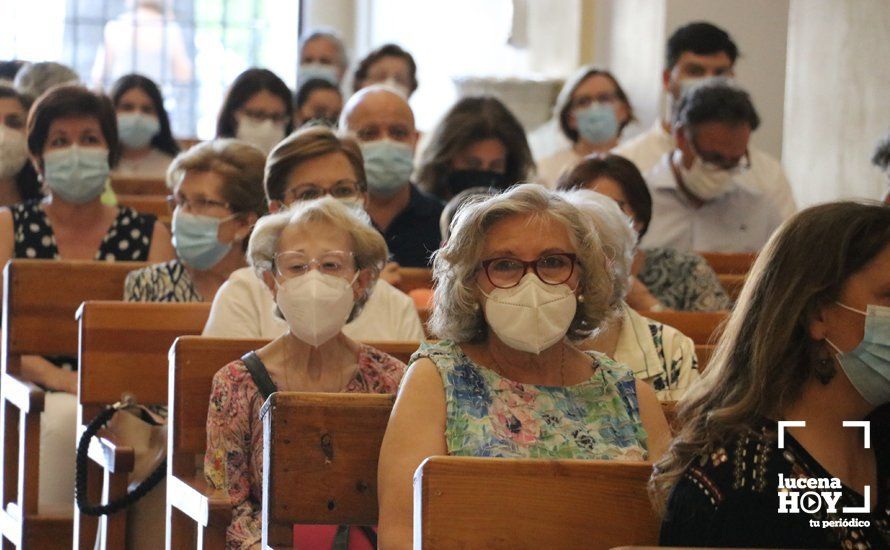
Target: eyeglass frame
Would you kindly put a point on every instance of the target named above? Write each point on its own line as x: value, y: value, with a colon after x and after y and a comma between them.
x: 262, y: 116
x: 290, y: 193
x: 742, y: 165
x: 174, y: 202
x: 533, y: 265
x: 276, y: 271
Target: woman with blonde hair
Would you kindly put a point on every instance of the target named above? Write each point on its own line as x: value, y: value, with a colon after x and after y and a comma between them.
x: 808, y: 342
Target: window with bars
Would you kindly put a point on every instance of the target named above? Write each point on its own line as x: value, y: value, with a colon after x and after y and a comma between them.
x: 193, y: 49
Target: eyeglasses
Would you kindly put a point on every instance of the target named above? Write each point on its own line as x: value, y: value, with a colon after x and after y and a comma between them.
x: 553, y: 269
x: 343, y: 189
x: 605, y: 98
x: 261, y: 116
x: 198, y: 205
x: 715, y: 162
x: 289, y: 265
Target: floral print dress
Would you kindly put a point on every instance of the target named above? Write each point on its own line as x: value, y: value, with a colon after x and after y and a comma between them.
x: 489, y: 415
x: 233, y: 461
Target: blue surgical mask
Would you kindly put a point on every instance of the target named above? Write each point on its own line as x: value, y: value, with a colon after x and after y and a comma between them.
x: 388, y: 166
x: 317, y: 71
x: 136, y: 130
x: 597, y: 123
x: 76, y: 174
x: 196, y: 239
x: 868, y: 365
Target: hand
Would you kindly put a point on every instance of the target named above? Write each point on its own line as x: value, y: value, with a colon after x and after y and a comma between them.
x: 390, y: 274
x: 64, y: 380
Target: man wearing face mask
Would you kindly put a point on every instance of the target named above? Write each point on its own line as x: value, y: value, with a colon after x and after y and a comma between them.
x: 696, y: 52
x: 322, y: 56
x: 382, y: 121
x: 700, y: 199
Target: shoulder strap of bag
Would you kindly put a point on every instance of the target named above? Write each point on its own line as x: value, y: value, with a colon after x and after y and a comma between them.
x: 260, y: 375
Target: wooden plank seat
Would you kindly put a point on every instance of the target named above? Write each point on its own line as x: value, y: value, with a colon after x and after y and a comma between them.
x: 40, y: 298
x: 139, y: 186
x: 123, y: 349
x: 732, y: 284
x: 411, y: 278
x: 738, y: 263
x: 327, y: 444
x: 528, y: 503
x: 148, y: 204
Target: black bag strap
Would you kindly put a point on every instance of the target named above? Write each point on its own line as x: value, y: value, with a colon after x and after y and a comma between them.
x: 260, y: 375
x: 341, y: 538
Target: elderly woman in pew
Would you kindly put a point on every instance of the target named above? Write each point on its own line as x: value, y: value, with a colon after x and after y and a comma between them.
x: 217, y: 198
x: 320, y: 259
x: 809, y: 340
x: 657, y: 353
x: 522, y: 278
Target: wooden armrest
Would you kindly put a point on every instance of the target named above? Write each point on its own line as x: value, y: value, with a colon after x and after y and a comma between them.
x: 28, y: 397
x: 109, y: 454
x: 194, y: 498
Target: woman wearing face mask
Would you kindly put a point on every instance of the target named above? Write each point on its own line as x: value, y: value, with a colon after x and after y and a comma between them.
x: 479, y: 143
x: 257, y: 109
x: 389, y: 64
x: 308, y: 165
x: 18, y: 180
x: 320, y: 260
x: 217, y: 198
x: 661, y: 277
x: 521, y: 278
x: 808, y: 341
x: 319, y: 102
x: 147, y: 145
x: 593, y: 110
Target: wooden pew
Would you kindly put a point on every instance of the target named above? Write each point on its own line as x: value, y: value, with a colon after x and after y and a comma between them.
x: 732, y: 284
x: 463, y: 502
x: 327, y: 445
x: 39, y: 302
x: 703, y: 352
x: 148, y: 204
x: 123, y: 349
x: 414, y: 277
x: 139, y: 186
x: 730, y: 264
x: 702, y: 326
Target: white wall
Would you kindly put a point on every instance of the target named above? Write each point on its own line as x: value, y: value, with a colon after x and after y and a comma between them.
x: 838, y: 97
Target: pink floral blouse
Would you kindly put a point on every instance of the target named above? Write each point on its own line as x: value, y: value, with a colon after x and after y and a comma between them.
x: 234, y: 458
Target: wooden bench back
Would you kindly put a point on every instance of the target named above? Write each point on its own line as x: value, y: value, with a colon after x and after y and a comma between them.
x: 415, y: 277
x: 400, y: 350
x: 462, y: 502
x: 702, y: 326
x: 732, y: 284
x: 124, y: 347
x: 148, y: 204
x: 736, y: 263
x: 42, y: 296
x: 139, y: 186
x: 327, y: 444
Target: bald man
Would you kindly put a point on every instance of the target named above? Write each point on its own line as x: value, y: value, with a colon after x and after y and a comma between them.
x: 381, y: 120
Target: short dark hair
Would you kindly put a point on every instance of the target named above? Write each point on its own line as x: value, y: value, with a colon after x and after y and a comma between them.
x: 386, y: 50
x: 881, y: 156
x: 245, y: 86
x: 716, y: 100
x: 623, y: 172
x: 164, y: 140
x: 470, y: 120
x: 700, y: 38
x: 305, y: 91
x: 26, y: 179
x: 8, y: 69
x: 72, y: 100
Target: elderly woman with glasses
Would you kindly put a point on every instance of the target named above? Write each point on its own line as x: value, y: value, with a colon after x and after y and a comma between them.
x: 320, y: 259
x: 522, y: 278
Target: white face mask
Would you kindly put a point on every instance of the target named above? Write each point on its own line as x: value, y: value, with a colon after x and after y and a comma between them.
x: 705, y: 184
x: 315, y: 305
x: 262, y: 134
x: 531, y: 316
x: 13, y: 151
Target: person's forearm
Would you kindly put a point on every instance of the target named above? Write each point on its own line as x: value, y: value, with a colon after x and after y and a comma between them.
x: 40, y: 371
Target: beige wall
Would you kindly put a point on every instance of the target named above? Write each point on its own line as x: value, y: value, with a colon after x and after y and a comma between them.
x: 837, y: 103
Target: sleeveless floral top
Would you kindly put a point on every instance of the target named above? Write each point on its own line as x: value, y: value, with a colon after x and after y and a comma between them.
x: 489, y: 415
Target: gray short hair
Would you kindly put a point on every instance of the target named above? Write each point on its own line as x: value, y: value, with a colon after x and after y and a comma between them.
x: 456, y: 314
x: 368, y: 246
x: 34, y: 79
x: 332, y: 36
x: 616, y: 232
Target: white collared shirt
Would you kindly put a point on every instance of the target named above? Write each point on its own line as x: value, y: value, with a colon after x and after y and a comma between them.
x: 646, y: 149
x: 740, y: 221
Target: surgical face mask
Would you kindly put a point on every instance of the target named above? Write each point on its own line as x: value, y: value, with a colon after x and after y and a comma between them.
x: 461, y: 180
x: 597, y: 123
x: 317, y: 71
x: 706, y: 184
x: 196, y: 239
x: 263, y: 134
x: 13, y: 151
x: 315, y: 305
x: 136, y: 130
x: 76, y: 174
x: 868, y: 365
x: 532, y: 316
x: 388, y: 166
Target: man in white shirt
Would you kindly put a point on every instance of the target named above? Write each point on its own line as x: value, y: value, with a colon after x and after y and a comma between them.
x: 310, y: 164
x: 695, y: 52
x: 701, y: 200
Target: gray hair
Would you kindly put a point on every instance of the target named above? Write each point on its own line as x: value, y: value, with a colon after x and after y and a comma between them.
x: 456, y: 314
x: 34, y: 79
x: 327, y: 34
x: 615, y: 230
x: 368, y: 246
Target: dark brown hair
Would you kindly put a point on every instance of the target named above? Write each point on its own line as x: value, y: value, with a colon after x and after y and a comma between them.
x: 26, y: 180
x: 244, y: 87
x: 566, y: 109
x: 387, y: 50
x: 164, y: 140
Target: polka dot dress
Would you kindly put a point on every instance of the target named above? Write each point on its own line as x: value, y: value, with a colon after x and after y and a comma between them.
x: 129, y: 238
